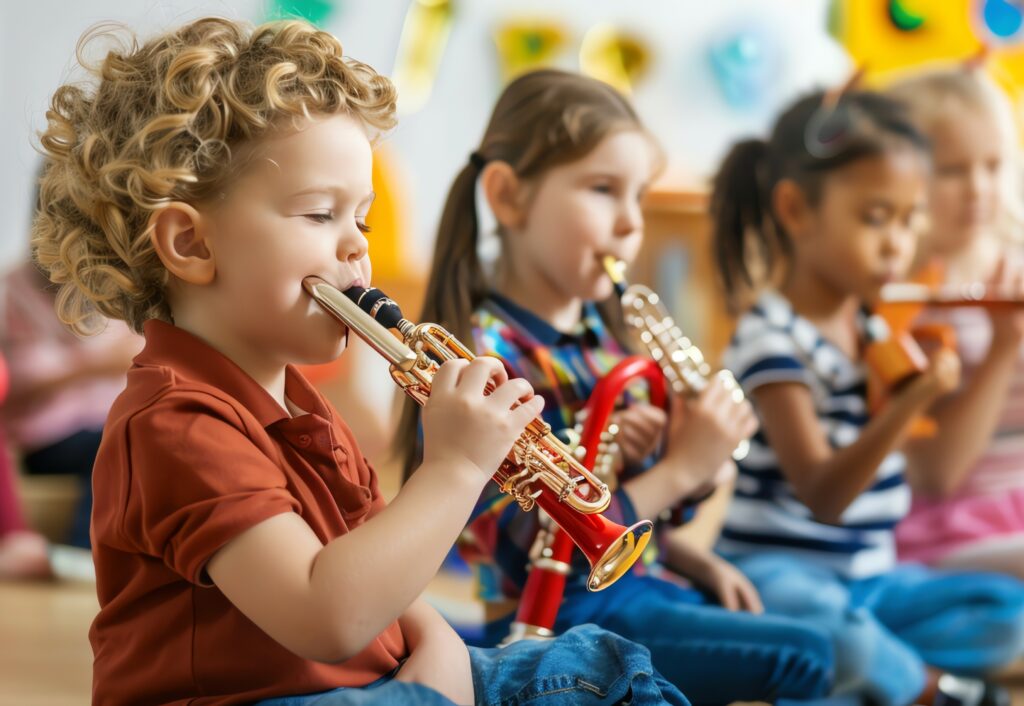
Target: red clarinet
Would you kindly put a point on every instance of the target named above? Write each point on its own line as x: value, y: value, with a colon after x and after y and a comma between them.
x: 552, y: 552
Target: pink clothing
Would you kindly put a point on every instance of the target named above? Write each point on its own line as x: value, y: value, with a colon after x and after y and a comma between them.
x: 38, y: 348
x: 990, y: 502
x: 11, y: 518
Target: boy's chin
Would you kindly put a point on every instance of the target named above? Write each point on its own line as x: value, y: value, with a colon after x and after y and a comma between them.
x: 325, y: 351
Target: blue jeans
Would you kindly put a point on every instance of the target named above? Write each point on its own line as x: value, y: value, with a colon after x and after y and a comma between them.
x: 713, y: 655
x: 887, y: 628
x: 584, y: 667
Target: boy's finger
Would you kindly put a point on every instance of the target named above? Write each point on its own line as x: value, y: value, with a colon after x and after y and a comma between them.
x: 527, y: 412
x: 481, y: 371
x: 512, y: 391
x: 448, y: 375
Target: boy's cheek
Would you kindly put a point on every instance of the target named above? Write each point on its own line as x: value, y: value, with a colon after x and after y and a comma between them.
x: 366, y: 271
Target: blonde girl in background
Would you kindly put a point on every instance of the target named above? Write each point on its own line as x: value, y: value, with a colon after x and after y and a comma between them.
x: 968, y: 509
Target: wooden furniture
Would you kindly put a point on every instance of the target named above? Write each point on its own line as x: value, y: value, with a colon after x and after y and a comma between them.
x: 676, y: 261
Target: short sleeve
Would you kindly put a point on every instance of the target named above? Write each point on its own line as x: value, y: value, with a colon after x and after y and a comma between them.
x: 761, y: 354
x: 197, y: 479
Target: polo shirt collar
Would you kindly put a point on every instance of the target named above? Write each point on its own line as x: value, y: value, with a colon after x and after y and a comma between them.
x: 588, y: 330
x: 193, y: 359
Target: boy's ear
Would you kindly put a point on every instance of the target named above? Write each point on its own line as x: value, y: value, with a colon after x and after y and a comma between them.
x: 180, y: 243
x: 791, y: 207
x: 503, y: 190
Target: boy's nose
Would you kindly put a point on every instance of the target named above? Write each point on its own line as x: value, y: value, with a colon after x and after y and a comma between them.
x: 352, y: 246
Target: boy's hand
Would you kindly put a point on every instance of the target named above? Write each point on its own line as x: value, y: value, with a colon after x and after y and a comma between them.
x: 440, y: 660
x: 641, y: 428
x: 463, y: 424
x: 704, y: 430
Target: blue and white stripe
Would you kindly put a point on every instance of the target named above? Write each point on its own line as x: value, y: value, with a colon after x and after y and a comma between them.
x: 773, y: 344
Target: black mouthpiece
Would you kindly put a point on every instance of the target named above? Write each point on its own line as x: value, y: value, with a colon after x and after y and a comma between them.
x: 377, y: 304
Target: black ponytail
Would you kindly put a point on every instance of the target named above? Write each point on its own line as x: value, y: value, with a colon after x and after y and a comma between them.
x: 810, y: 140
x: 742, y: 216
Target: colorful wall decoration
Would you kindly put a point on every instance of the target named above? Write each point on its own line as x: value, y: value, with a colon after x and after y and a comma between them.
x: 889, y: 36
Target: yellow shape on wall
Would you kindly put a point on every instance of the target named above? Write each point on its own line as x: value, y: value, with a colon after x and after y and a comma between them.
x: 887, y: 38
x: 615, y: 57
x: 888, y: 35
x: 420, y: 48
x: 526, y: 44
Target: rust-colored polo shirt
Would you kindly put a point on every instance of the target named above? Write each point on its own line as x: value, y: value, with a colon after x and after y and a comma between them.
x: 194, y: 453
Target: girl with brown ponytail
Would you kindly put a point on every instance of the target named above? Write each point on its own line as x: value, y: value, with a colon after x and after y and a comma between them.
x: 563, y: 166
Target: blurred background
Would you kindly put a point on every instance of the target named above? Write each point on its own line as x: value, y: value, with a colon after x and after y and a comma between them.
x: 702, y: 75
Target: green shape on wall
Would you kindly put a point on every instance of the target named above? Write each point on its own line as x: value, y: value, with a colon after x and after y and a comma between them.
x: 315, y: 11
x: 903, y: 18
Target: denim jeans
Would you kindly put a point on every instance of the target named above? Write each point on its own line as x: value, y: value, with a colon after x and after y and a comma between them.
x: 885, y: 629
x: 713, y: 655
x: 586, y: 666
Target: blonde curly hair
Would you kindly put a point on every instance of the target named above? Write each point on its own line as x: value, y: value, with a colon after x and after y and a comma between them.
x: 160, y: 125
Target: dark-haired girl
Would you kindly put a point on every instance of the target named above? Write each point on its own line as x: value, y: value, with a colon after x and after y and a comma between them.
x: 809, y: 225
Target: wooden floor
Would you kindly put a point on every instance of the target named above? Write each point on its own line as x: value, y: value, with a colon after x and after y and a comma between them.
x: 44, y: 649
x: 45, y: 658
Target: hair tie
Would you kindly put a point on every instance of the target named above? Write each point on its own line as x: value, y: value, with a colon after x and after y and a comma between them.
x: 477, y: 160
x: 829, y: 128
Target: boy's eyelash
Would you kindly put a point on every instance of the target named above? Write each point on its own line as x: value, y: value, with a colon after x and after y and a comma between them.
x: 327, y: 217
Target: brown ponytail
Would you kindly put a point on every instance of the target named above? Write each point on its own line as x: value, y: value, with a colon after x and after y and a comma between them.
x: 542, y: 119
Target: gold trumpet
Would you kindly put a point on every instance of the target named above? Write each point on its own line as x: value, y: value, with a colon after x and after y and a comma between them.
x: 539, y: 471
x: 682, y: 363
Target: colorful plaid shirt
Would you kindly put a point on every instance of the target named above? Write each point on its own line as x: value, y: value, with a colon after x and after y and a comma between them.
x: 563, y: 368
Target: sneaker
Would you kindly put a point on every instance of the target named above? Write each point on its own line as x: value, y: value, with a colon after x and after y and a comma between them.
x: 964, y: 691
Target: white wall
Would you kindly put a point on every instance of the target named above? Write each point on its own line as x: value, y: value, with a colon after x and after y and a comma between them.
x: 679, y: 100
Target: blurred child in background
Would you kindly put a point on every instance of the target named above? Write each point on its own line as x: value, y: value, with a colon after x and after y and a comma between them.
x: 968, y: 509
x: 827, y: 211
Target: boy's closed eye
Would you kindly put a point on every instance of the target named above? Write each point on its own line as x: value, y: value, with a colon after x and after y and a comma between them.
x: 327, y: 217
